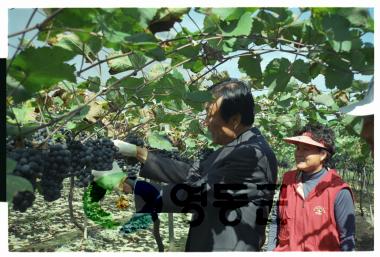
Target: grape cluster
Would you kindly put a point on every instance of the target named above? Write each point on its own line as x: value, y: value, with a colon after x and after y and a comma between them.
x: 84, y: 177
x: 134, y: 170
x: 174, y: 155
x: 29, y: 163
x: 93, y: 155
x: 134, y: 139
x: 39, y: 136
x: 57, y: 162
x: 57, y: 168
x: 131, y: 168
x: 23, y: 200
x: 29, y: 166
x: 103, y: 152
x: 10, y: 144
x: 51, y: 188
x: 73, y: 158
x: 81, y: 156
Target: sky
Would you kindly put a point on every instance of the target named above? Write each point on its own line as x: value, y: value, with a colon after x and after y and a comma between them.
x: 17, y: 19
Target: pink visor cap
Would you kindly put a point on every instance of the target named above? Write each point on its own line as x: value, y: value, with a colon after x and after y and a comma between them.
x: 305, y: 138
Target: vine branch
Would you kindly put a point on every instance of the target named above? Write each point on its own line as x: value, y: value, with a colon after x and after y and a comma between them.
x: 22, y: 38
x: 103, y: 61
x: 38, y: 26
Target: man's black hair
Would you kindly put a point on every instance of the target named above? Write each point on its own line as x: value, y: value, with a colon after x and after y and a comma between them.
x: 237, y: 99
x: 321, y: 133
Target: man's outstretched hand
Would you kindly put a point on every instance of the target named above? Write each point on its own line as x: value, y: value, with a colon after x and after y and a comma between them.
x: 131, y: 150
x: 125, y: 148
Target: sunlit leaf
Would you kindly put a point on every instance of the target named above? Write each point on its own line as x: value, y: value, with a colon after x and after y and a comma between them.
x: 158, y: 141
x: 325, y: 99
x: 118, y: 62
x: 24, y: 114
x: 241, y: 27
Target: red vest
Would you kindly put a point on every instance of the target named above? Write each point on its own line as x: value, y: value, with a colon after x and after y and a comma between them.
x: 309, y: 224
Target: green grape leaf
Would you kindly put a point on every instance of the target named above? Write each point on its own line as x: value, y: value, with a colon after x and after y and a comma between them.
x: 157, y: 54
x: 136, y: 87
x: 229, y: 14
x: 138, y: 60
x: 197, y: 99
x: 194, y: 66
x: 301, y: 71
x: 142, y: 39
x: 251, y: 66
x: 40, y: 68
x: 24, y: 114
x: 170, y: 86
x: 276, y: 75
x: 72, y: 42
x: 118, y: 63
x: 339, y: 77
x: 16, y: 184
x: 114, y: 39
x: 92, y: 84
x: 358, y: 17
x: 174, y: 119
x: 336, y: 27
x: 16, y: 90
x: 146, y: 15
x: 11, y: 165
x: 195, y: 127
x: 324, y: 99
x: 158, y: 141
x: 341, y: 46
x: 237, y: 28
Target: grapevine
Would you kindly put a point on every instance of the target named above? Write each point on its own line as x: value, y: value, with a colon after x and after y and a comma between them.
x: 62, y: 113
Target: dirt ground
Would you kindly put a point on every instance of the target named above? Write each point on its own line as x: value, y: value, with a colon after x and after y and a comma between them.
x: 46, y: 227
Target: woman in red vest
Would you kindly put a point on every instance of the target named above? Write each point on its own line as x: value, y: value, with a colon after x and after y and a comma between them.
x: 315, y: 211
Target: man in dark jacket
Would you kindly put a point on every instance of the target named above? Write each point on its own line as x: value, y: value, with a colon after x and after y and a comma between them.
x: 230, y: 193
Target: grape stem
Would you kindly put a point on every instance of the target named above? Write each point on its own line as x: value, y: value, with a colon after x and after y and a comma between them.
x: 70, y: 200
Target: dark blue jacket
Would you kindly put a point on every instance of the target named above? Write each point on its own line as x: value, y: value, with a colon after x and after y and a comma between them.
x: 230, y: 193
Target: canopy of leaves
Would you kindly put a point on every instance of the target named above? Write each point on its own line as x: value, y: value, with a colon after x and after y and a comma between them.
x: 149, y: 71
